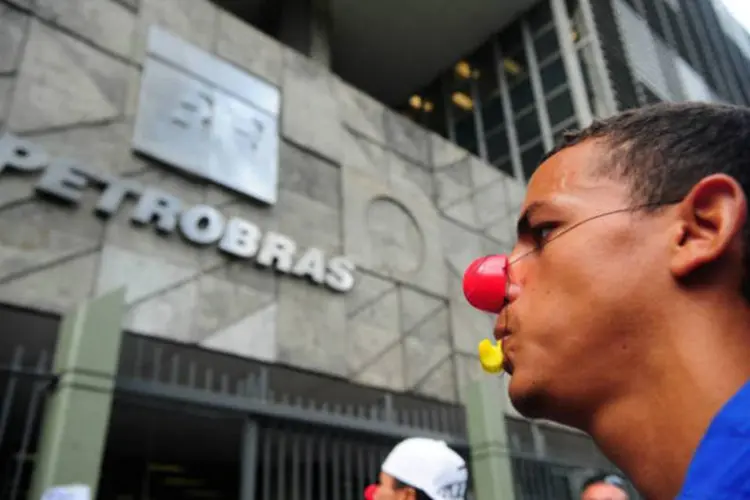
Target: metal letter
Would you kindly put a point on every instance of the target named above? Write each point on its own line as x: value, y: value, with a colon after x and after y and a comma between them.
x: 62, y: 181
x: 202, y: 224
x: 21, y: 154
x: 241, y: 238
x: 340, y: 276
x: 311, y: 264
x: 277, y: 248
x: 155, y: 204
x: 114, y: 194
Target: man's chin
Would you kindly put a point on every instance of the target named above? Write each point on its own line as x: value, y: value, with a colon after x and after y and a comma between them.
x: 527, y: 398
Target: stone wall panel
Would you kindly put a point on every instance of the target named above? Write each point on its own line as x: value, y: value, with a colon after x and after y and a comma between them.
x: 392, y: 230
x: 409, y: 207
x: 13, y: 26
x: 248, y: 48
x: 387, y: 370
x: 360, y: 112
x: 440, y: 382
x: 311, y: 324
x: 63, y: 82
x: 104, y: 23
x: 58, y: 287
x: 426, y: 345
x: 406, y: 137
x: 309, y: 112
x: 309, y: 176
x: 192, y: 20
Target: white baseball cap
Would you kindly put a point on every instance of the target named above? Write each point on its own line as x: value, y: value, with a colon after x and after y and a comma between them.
x: 429, y: 465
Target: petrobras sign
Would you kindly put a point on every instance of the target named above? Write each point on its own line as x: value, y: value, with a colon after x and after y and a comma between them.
x: 207, y: 118
x: 202, y: 225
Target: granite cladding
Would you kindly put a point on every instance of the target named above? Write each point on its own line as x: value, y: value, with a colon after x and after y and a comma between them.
x: 408, y: 207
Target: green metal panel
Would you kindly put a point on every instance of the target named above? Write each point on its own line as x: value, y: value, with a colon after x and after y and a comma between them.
x: 488, y: 440
x: 76, y: 416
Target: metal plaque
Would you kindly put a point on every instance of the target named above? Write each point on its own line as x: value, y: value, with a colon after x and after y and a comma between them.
x: 206, y: 117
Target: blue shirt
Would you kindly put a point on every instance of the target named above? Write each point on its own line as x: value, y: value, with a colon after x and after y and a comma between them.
x: 720, y: 468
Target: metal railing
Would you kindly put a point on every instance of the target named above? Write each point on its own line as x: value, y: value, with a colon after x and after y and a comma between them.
x: 24, y: 381
x: 316, y: 437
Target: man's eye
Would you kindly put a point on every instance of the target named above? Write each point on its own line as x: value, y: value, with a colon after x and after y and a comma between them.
x: 540, y: 234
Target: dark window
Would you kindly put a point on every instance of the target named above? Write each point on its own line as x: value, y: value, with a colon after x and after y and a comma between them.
x: 553, y: 75
x: 679, y: 38
x: 484, y: 70
x: 546, y: 44
x: 511, y: 40
x: 531, y: 158
x: 527, y: 127
x: 522, y: 95
x: 539, y: 16
x: 652, y: 18
x: 560, y: 108
x: 648, y: 95
x: 505, y: 165
x: 466, y: 134
x: 492, y: 112
x: 497, y: 145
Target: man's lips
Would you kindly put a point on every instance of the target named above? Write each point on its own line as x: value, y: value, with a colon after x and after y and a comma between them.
x: 502, y: 335
x: 501, y: 332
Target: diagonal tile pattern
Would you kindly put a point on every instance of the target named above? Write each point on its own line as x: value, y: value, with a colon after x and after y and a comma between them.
x: 411, y: 208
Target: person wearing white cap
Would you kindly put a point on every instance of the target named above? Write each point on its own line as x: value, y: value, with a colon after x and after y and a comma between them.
x: 421, y: 469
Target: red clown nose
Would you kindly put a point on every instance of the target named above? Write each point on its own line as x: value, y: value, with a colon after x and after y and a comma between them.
x: 485, y: 283
x: 370, y: 491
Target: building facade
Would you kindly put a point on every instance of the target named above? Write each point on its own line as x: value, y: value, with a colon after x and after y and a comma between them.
x: 284, y: 237
x: 555, y: 67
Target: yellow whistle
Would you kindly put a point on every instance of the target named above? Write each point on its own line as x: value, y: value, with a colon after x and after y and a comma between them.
x: 491, y: 356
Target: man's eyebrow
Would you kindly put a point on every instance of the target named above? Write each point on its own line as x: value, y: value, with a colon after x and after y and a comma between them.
x: 523, y: 226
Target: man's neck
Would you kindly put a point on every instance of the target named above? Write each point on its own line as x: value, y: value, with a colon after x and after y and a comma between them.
x: 653, y: 432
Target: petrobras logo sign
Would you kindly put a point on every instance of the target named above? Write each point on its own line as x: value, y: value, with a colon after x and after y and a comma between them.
x: 207, y: 118
x: 202, y: 225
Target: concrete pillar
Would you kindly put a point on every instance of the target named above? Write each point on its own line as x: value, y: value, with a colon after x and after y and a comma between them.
x: 76, y: 415
x: 306, y: 27
x: 490, y: 453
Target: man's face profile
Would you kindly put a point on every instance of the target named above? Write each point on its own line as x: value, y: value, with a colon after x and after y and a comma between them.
x: 603, y: 491
x: 571, y: 327
x: 388, y: 489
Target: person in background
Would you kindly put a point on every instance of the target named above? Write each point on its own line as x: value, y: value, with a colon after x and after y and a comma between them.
x: 421, y: 469
x: 604, y: 487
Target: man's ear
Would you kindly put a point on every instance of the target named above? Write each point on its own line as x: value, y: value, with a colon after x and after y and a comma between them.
x: 409, y: 493
x: 712, y: 217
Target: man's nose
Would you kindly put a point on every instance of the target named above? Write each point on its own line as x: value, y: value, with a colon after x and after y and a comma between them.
x: 487, y: 284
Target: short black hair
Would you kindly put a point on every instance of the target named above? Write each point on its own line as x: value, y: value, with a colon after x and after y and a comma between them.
x: 612, y: 479
x: 663, y: 150
x: 421, y: 495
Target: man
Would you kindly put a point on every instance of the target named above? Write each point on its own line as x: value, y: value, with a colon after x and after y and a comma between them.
x: 421, y: 469
x: 604, y: 487
x: 628, y: 310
